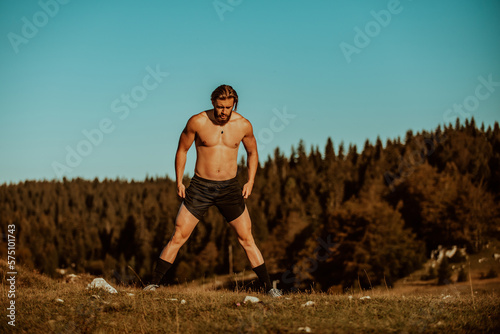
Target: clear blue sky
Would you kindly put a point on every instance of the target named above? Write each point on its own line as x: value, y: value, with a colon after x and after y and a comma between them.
x: 67, y: 68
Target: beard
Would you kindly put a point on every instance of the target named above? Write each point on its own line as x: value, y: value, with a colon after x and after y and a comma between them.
x: 222, y: 118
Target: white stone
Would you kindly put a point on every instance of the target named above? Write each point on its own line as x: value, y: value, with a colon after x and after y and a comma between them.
x: 100, y: 283
x: 251, y: 299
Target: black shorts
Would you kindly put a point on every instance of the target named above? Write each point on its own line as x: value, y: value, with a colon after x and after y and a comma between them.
x: 225, y: 195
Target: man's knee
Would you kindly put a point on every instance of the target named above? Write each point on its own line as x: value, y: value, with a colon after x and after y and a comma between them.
x: 247, y: 242
x: 178, y: 238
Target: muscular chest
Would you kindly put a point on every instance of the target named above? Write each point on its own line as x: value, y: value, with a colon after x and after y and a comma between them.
x: 217, y: 136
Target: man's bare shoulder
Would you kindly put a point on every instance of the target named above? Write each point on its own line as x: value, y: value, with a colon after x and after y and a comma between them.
x: 197, y: 120
x: 202, y: 116
x: 240, y: 119
x: 243, y: 124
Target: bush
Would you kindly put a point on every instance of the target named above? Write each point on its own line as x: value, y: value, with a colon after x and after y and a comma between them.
x: 458, y: 257
x: 490, y: 274
x: 432, y: 274
x: 462, y: 275
x: 444, y: 272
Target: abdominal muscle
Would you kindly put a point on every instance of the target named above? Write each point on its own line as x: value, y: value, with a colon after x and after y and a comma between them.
x: 217, y: 162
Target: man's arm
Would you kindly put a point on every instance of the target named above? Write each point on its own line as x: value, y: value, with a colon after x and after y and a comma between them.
x: 252, y: 159
x: 185, y: 142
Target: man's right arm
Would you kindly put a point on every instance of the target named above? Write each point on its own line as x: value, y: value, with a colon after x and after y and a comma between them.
x: 185, y: 142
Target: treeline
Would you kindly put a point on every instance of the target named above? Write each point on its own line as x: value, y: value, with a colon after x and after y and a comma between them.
x: 337, y: 217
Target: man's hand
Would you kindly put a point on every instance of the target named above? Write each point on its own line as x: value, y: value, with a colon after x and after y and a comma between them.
x: 247, y: 189
x: 181, y: 190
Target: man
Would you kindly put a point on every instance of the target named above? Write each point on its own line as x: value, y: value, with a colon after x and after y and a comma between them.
x: 217, y: 134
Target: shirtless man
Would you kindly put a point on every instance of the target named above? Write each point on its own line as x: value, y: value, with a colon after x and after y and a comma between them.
x: 217, y: 134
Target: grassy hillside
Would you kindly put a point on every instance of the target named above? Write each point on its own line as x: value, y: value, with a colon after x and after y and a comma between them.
x: 330, y: 218
x: 54, y: 306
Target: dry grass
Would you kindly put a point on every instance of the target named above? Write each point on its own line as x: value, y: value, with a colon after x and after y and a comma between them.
x: 406, y: 309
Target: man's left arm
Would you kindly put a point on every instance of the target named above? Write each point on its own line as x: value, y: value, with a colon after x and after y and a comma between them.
x: 252, y: 158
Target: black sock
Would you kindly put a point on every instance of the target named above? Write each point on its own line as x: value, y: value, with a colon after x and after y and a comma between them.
x: 161, y: 269
x: 263, y: 276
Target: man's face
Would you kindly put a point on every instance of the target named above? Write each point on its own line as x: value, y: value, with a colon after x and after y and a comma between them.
x: 223, y: 110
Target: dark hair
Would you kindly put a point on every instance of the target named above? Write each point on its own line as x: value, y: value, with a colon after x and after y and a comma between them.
x: 224, y: 92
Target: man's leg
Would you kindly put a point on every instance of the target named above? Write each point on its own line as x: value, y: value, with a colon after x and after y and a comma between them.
x: 184, y: 226
x: 243, y: 227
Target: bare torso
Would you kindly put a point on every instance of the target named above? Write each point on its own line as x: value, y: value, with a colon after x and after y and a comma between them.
x: 217, y: 146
